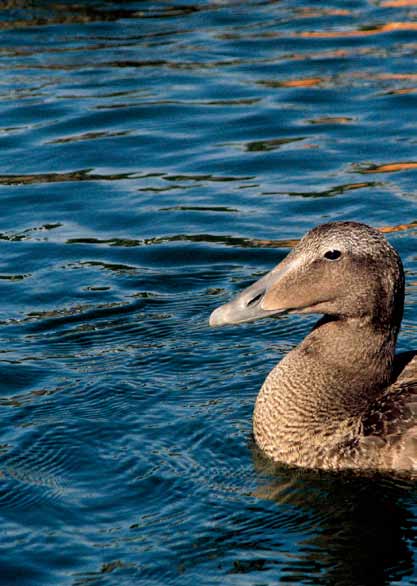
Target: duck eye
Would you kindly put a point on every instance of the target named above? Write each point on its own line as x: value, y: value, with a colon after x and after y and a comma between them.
x: 332, y: 254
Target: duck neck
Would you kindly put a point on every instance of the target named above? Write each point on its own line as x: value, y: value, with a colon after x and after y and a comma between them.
x: 353, y: 357
x: 323, y: 387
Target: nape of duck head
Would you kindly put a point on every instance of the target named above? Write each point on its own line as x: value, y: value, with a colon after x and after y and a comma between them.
x: 343, y: 269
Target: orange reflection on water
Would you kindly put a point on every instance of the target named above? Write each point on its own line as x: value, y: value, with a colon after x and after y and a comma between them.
x: 401, y: 91
x: 400, y: 76
x: 317, y: 12
x: 383, y: 28
x: 303, y: 82
x: 331, y: 120
x: 410, y: 77
x: 397, y: 228
x: 398, y: 3
x: 390, y: 167
x: 306, y: 82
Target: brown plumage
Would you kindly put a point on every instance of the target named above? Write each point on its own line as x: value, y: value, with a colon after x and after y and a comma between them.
x: 341, y: 399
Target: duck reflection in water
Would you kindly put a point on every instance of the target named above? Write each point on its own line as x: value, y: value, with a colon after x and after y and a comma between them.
x: 359, y: 528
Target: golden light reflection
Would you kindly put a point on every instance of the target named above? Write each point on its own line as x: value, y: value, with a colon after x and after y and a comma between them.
x: 397, y: 228
x: 306, y: 82
x: 401, y: 91
x: 318, y: 12
x: 383, y: 28
x: 398, y: 3
x: 290, y: 83
x: 397, y: 76
x: 390, y: 167
x: 331, y: 120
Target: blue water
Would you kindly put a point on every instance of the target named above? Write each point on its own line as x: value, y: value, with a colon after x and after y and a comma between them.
x: 155, y: 158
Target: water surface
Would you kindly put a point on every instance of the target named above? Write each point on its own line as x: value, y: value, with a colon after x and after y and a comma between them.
x: 156, y: 158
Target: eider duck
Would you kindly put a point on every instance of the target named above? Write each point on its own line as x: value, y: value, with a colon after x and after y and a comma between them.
x: 341, y: 399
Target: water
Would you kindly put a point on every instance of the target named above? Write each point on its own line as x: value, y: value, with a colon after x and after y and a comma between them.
x: 155, y: 158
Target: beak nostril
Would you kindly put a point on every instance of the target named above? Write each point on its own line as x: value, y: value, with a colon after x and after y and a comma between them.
x: 255, y: 299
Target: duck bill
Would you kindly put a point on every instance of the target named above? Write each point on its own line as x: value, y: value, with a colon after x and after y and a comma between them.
x: 252, y: 303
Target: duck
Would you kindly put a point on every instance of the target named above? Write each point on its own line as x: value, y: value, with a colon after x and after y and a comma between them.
x: 342, y: 399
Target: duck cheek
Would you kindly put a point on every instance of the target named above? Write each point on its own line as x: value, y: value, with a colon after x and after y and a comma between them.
x: 277, y: 300
x: 292, y: 301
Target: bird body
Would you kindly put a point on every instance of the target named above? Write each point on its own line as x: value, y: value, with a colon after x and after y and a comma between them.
x: 341, y: 399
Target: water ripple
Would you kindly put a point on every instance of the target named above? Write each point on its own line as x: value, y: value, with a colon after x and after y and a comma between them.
x: 156, y: 159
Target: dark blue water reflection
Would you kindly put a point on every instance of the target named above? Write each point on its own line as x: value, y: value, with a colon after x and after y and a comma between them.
x: 155, y: 158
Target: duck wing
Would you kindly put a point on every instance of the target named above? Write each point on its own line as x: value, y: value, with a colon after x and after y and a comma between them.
x: 392, y: 419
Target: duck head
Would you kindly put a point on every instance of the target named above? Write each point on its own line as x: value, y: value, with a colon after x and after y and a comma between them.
x: 342, y: 269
